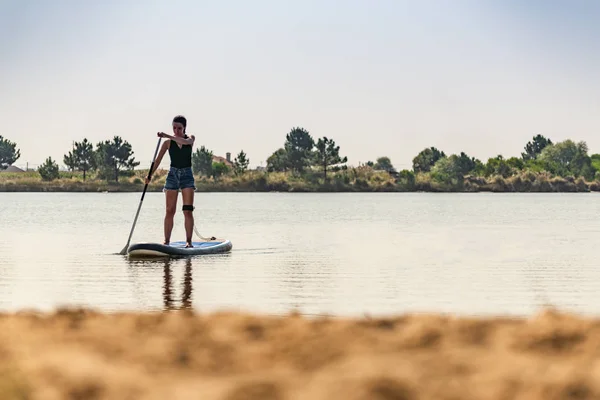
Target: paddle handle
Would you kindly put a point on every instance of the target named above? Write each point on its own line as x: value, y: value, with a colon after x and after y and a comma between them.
x: 151, y: 168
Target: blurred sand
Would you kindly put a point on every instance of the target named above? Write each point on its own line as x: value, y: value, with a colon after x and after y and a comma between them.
x: 78, y: 354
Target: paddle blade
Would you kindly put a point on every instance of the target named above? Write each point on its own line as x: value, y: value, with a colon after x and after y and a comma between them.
x: 124, y: 251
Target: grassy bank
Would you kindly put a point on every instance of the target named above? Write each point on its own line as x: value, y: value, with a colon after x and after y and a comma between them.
x: 362, y: 179
x: 82, y: 354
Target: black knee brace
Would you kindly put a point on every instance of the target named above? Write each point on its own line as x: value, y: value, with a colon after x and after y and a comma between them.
x: 187, y: 207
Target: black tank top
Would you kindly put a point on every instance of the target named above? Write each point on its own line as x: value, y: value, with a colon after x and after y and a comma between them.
x: 180, y: 157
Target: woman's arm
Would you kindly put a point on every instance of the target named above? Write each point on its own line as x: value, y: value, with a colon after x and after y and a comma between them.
x: 190, y: 140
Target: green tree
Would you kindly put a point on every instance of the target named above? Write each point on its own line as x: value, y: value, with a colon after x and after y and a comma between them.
x: 82, y: 158
x: 426, y: 159
x: 48, y: 170
x: 582, y: 163
x: 534, y: 148
x: 498, y: 166
x: 451, y: 170
x: 113, y: 156
x: 406, y: 179
x: 85, y: 157
x: 384, y: 164
x: 595, y: 162
x: 567, y: 158
x: 298, y: 145
x: 328, y: 154
x: 9, y: 153
x: 202, y: 161
x: 534, y: 165
x: 69, y: 161
x: 516, y: 163
x: 219, y: 169
x: 278, y: 161
x: 467, y: 164
x: 240, y: 163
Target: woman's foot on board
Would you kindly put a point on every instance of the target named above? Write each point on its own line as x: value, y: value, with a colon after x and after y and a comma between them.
x: 189, y: 244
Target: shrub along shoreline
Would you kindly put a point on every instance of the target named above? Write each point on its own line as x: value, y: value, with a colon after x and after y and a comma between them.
x: 361, y: 179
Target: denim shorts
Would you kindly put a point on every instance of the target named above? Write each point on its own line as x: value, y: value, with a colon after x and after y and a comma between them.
x: 180, y: 178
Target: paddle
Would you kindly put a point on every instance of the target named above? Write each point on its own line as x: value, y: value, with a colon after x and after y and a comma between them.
x: 124, y: 251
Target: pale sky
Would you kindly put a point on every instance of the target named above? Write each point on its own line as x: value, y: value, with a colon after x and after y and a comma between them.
x: 380, y: 77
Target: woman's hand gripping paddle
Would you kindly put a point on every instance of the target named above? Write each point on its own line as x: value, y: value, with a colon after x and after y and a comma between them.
x: 124, y: 251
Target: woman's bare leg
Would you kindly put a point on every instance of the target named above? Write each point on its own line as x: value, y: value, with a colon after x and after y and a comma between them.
x: 171, y: 207
x: 188, y: 199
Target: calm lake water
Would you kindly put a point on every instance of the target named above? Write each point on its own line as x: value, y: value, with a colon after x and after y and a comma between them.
x: 342, y: 253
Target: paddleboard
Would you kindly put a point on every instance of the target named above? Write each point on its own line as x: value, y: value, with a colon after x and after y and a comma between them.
x: 150, y: 249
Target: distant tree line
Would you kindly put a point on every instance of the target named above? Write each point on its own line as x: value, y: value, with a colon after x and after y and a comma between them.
x: 564, y: 159
x: 109, y: 158
x: 113, y: 158
x: 301, y: 153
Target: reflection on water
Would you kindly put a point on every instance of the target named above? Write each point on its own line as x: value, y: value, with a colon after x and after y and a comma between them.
x: 186, y: 293
x: 171, y: 301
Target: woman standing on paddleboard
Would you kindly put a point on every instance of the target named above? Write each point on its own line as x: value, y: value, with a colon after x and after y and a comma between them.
x: 180, y: 177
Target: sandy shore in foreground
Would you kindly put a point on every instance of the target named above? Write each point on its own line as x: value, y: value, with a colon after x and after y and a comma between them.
x: 87, y: 355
